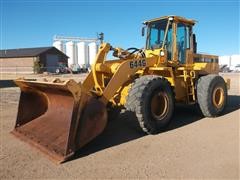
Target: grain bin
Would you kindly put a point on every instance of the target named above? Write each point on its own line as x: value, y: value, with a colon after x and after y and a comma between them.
x: 83, y: 54
x: 71, y: 52
x: 92, y: 47
x: 59, y: 45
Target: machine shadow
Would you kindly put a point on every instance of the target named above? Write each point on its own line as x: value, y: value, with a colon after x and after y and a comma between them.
x: 185, y: 115
x: 125, y: 128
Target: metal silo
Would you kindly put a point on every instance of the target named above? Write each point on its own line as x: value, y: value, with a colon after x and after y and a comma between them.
x: 92, y: 47
x: 82, y: 54
x: 71, y: 52
x: 59, y: 45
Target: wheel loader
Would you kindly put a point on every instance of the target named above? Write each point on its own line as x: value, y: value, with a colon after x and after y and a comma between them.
x: 61, y: 116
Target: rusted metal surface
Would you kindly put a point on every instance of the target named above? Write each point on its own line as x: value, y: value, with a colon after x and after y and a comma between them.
x: 58, y: 118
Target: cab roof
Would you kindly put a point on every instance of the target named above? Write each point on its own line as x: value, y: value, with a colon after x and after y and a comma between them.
x: 176, y: 18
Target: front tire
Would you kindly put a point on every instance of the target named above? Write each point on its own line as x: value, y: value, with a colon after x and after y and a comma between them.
x: 151, y: 98
x: 211, y: 95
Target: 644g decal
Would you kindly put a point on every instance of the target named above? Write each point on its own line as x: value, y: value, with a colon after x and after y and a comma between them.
x: 137, y: 63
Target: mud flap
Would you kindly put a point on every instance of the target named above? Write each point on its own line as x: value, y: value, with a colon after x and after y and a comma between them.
x: 58, y: 117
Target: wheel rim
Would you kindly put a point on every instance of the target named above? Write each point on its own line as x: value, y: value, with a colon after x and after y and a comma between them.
x: 218, y: 97
x: 159, y: 105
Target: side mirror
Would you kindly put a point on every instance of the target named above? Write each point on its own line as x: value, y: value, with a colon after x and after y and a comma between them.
x: 194, y: 44
x: 143, y: 30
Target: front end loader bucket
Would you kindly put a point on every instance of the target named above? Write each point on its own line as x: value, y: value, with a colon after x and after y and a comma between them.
x: 58, y: 117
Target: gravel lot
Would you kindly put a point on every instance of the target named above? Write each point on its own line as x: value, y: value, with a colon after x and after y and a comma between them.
x: 191, y: 147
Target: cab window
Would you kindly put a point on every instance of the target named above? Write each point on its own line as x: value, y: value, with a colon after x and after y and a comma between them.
x: 156, y: 34
x: 183, y: 41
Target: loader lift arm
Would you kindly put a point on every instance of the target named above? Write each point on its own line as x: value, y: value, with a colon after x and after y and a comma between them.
x: 119, y: 72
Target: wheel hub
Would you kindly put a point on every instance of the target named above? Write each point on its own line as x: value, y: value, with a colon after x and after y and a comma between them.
x: 218, y: 97
x: 159, y: 105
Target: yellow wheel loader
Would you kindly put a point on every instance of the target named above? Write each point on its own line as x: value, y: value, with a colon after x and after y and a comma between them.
x: 59, y: 117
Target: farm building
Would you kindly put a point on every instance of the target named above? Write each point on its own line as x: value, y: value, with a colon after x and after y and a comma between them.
x: 232, y: 60
x: 29, y: 60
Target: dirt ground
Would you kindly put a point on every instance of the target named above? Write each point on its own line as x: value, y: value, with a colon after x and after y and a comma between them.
x: 191, y: 147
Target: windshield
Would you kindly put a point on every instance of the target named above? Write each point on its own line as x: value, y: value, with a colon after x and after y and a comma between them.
x: 156, y: 31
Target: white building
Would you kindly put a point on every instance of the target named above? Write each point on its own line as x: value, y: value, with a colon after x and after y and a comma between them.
x: 230, y: 61
x: 81, y: 52
x: 83, y: 55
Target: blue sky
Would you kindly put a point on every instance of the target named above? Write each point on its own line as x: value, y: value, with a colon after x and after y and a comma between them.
x: 33, y: 23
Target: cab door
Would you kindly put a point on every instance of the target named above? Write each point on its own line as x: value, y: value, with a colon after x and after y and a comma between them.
x: 184, y: 52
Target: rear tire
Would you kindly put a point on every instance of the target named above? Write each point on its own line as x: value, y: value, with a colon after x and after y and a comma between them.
x: 211, y: 95
x: 151, y: 98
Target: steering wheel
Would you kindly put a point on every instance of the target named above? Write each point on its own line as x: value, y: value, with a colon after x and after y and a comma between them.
x: 134, y: 50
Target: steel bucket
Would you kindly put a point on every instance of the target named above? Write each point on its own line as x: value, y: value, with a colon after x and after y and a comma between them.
x: 58, y: 117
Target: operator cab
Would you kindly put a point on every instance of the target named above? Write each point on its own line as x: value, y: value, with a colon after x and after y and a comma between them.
x: 170, y: 36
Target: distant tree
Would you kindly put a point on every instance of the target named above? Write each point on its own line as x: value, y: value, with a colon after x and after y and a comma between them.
x: 37, y: 66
